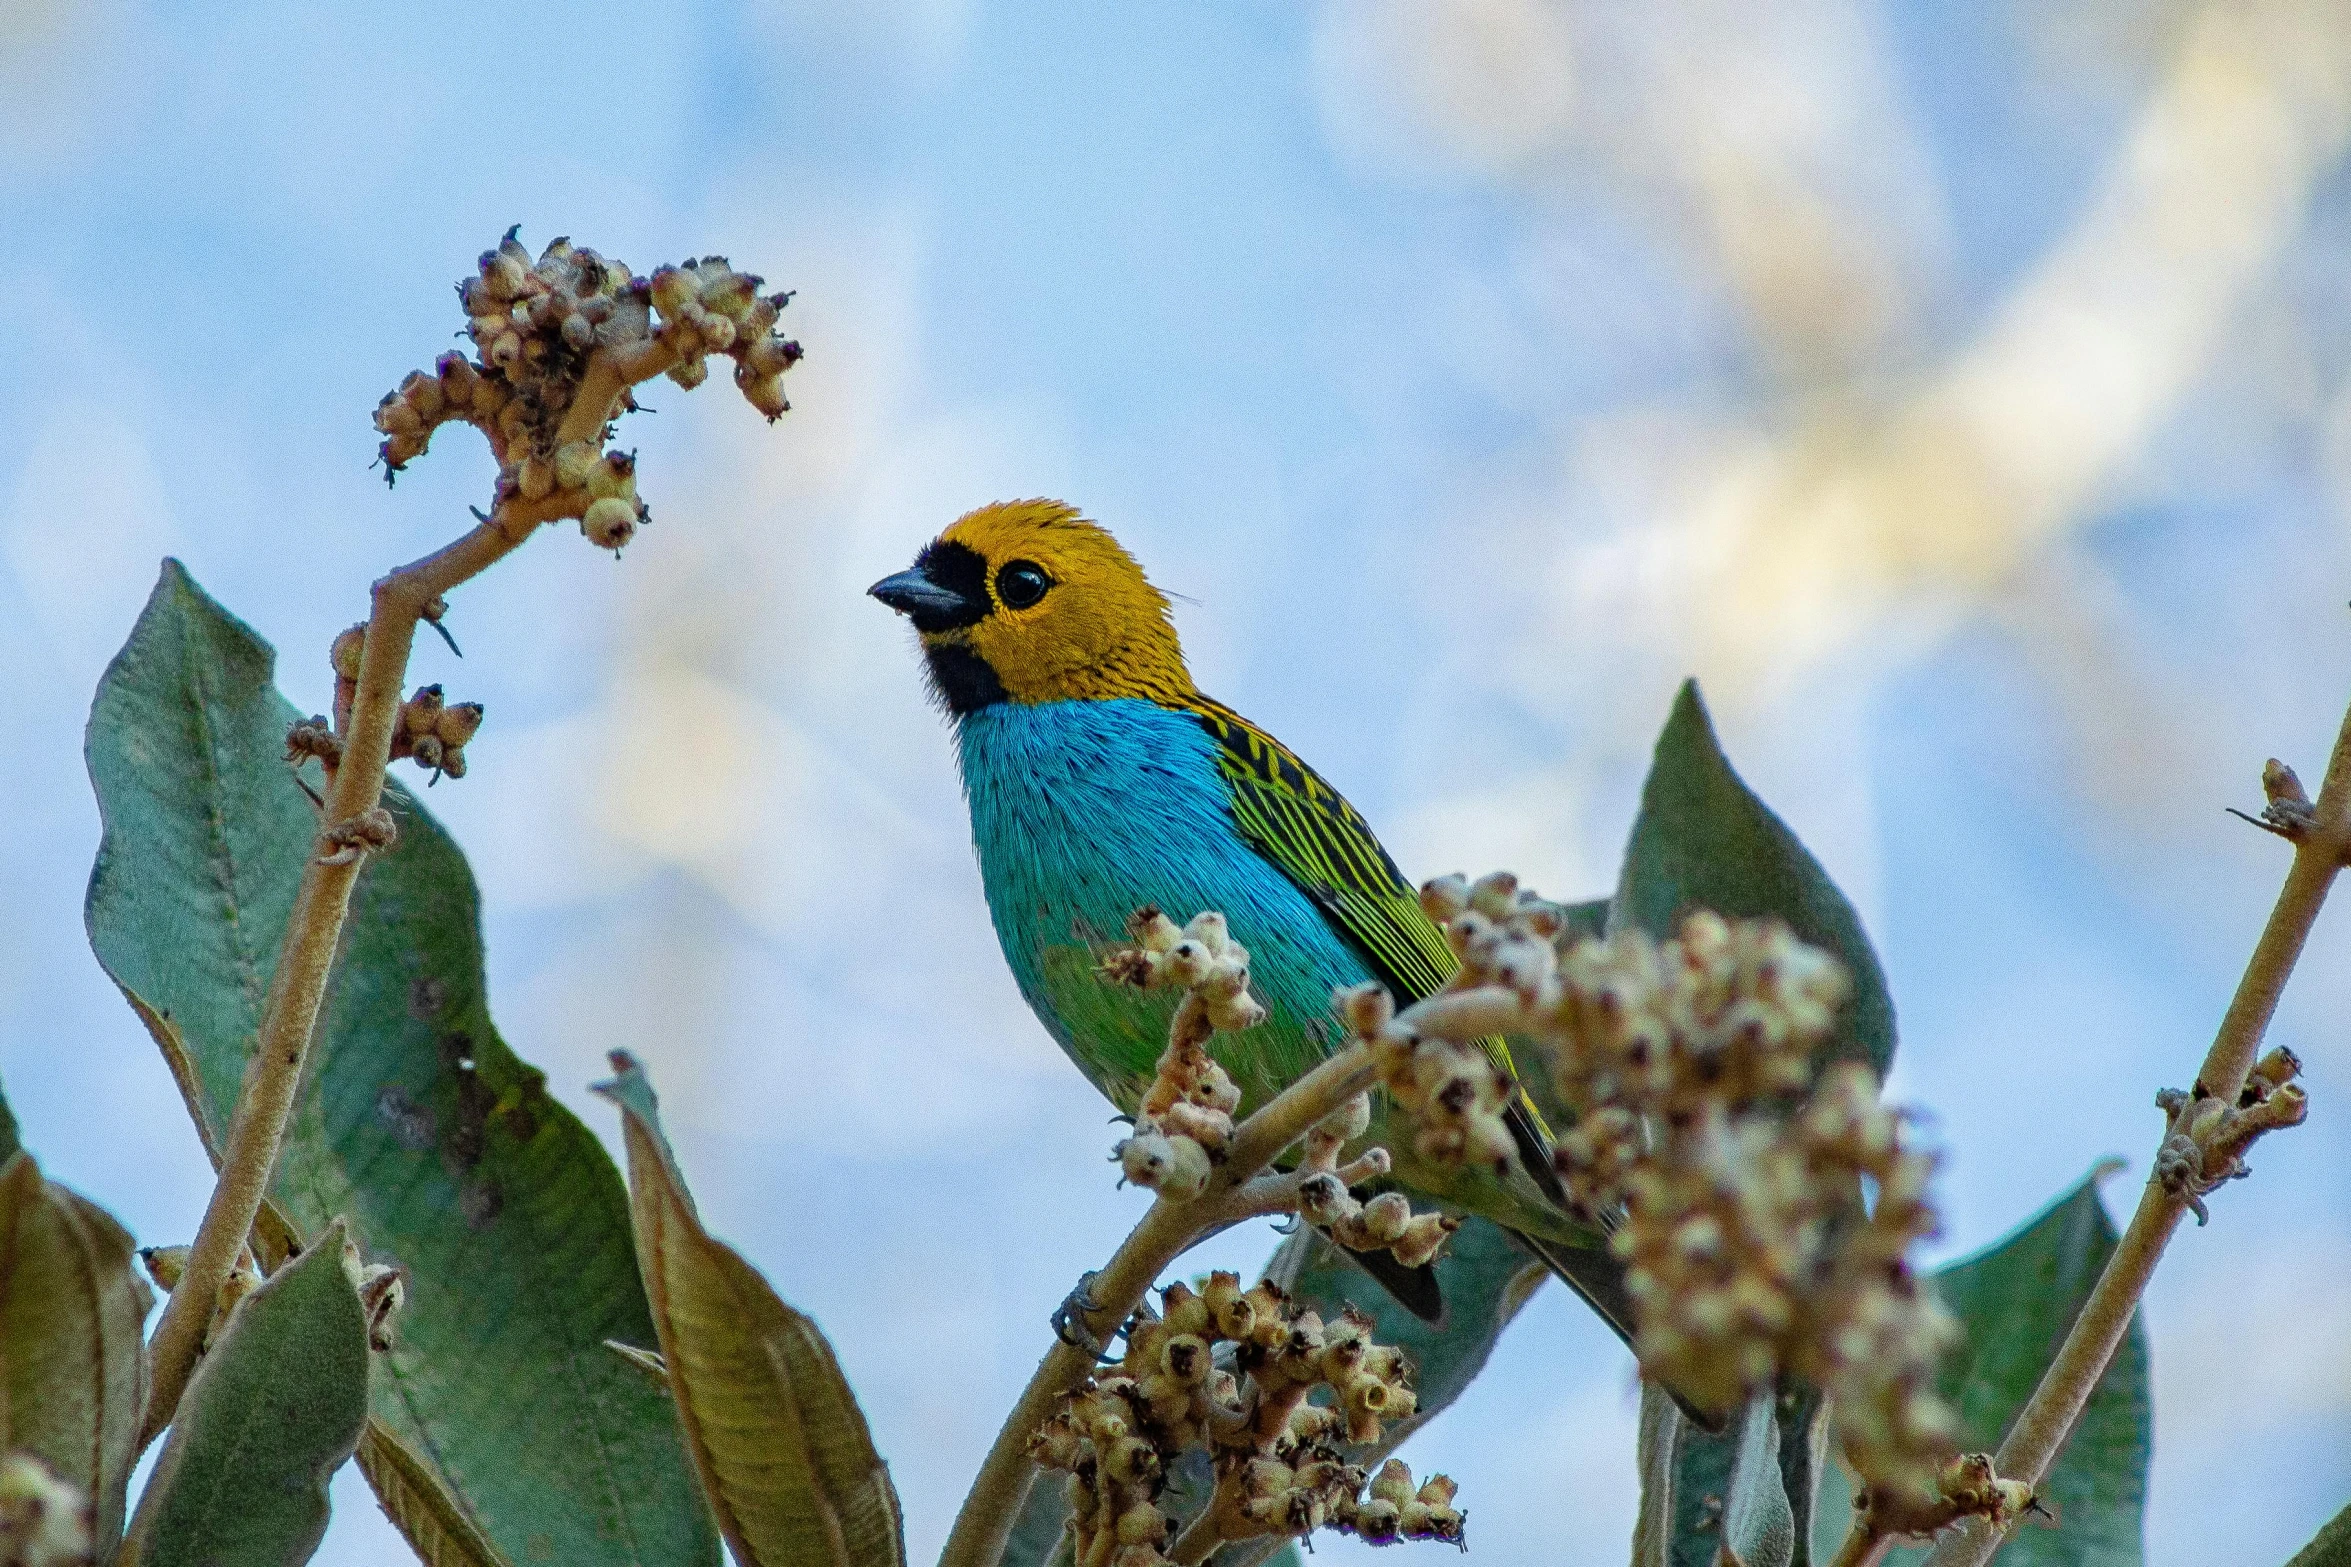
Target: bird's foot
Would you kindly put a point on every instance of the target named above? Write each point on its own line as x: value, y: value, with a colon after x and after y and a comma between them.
x: 1069, y: 1319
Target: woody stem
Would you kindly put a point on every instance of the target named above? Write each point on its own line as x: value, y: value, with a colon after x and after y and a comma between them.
x: 2321, y: 844
x: 1166, y: 1232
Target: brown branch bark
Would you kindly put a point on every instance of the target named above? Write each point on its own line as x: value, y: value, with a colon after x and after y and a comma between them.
x: 306, y: 955
x: 1200, y: 1538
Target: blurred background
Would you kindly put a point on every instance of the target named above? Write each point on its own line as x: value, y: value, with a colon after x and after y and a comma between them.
x: 1961, y: 389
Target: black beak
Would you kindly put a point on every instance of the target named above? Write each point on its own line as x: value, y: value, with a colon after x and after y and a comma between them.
x: 930, y: 606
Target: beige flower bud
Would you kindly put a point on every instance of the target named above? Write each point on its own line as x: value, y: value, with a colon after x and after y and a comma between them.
x: 609, y: 523
x: 574, y: 462
x: 344, y: 654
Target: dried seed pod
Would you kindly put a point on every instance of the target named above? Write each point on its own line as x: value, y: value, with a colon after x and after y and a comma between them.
x: 422, y: 712
x: 770, y: 355
x: 609, y: 523
x: 763, y: 392
x: 458, y: 723
x: 349, y: 643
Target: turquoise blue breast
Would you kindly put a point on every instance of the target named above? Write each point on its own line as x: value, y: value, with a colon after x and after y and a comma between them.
x: 1084, y: 811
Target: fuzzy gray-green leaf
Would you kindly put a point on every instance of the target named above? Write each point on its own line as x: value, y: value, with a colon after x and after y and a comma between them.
x: 275, y: 1407
x: 1702, y: 1495
x: 73, y: 1369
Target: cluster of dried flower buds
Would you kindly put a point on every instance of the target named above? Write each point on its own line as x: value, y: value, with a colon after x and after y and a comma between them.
x: 1727, y: 1013
x: 2205, y: 1144
x: 1186, y: 1116
x: 1185, y: 1119
x: 1441, y: 1069
x: 538, y: 325
x: 1869, y: 1333
x: 1739, y: 1269
x: 1967, y: 1487
x: 1729, y: 1170
x: 45, y: 1520
x: 432, y: 730
x: 1326, y: 1198
x: 382, y: 1287
x: 1272, y: 1447
x: 1394, y: 1509
x: 709, y: 308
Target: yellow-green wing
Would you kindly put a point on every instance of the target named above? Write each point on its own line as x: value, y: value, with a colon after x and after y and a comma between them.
x: 1324, y: 845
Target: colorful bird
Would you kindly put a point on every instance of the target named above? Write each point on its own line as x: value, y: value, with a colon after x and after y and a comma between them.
x: 1101, y: 779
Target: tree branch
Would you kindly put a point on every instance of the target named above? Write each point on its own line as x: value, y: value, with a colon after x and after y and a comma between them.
x: 1863, y: 1547
x: 1166, y: 1232
x: 307, y: 954
x: 2322, y: 841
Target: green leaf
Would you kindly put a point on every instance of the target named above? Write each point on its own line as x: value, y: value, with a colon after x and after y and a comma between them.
x: 1588, y: 918
x: 275, y: 1407
x: 1703, y: 1495
x: 782, y: 1448
x: 414, y: 1118
x: 2331, y: 1547
x: 1704, y: 841
x: 73, y: 1369
x: 2017, y: 1300
x: 1803, y: 1416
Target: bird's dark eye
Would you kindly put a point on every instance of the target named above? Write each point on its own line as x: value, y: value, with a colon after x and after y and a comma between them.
x: 1021, y: 584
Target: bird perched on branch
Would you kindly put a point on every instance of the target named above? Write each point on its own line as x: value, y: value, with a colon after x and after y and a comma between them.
x: 1101, y: 779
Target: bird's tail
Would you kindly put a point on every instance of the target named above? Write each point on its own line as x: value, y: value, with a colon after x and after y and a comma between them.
x: 1415, y: 1289
x: 1596, y: 1274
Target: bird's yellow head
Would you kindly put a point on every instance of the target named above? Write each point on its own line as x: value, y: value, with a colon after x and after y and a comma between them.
x: 1026, y: 601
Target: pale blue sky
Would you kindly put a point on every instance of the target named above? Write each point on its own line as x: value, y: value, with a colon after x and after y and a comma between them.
x: 1962, y: 390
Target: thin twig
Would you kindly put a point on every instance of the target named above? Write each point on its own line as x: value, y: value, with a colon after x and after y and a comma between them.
x: 307, y: 954
x: 2321, y: 845
x: 1166, y: 1232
